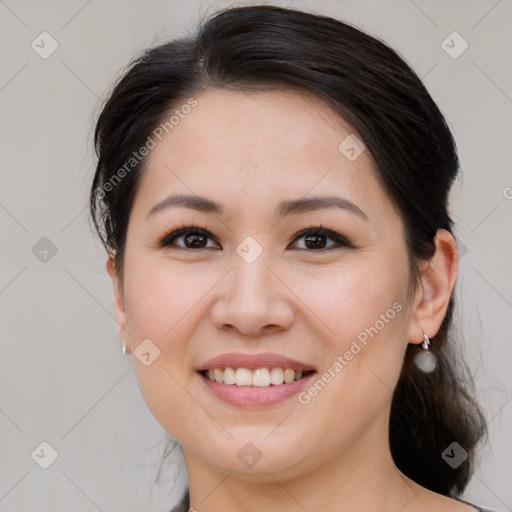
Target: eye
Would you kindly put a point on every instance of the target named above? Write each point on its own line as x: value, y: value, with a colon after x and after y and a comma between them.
x: 194, y: 237
x: 315, y: 237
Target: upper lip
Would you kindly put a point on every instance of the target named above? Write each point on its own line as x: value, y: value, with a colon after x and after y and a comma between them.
x: 253, y: 362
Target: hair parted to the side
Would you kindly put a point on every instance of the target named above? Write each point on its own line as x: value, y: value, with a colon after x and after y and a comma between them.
x: 369, y: 86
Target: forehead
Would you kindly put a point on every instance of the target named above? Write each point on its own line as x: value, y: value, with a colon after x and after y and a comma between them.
x: 282, y: 120
x: 256, y: 148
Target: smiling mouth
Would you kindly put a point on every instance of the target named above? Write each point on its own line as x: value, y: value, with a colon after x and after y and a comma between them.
x: 259, y: 378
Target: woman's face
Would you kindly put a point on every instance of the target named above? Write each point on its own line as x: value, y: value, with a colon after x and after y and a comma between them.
x: 252, y: 285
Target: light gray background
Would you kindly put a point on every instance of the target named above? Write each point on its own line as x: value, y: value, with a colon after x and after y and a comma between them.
x: 63, y: 377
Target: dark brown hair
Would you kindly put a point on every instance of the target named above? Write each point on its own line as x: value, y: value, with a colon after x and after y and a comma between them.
x: 368, y: 85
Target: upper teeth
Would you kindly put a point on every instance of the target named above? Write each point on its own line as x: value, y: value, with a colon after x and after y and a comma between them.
x: 262, y: 377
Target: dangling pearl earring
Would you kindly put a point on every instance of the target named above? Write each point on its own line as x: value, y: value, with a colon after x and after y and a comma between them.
x: 425, y: 360
x: 124, y: 349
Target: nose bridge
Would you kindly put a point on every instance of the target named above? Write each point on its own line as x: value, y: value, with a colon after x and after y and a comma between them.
x: 253, y: 298
x: 251, y: 286
x: 251, y: 274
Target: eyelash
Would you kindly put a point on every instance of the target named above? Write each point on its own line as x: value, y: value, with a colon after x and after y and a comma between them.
x: 340, y: 241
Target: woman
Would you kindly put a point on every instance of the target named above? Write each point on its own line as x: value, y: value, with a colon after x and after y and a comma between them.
x: 272, y: 193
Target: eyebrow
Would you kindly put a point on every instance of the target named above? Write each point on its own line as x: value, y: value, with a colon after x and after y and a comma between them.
x: 290, y: 207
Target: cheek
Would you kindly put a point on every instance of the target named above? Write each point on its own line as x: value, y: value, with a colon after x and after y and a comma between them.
x: 166, y: 395
x: 361, y: 311
x: 362, y: 351
x: 350, y: 299
x: 163, y: 306
x: 163, y: 301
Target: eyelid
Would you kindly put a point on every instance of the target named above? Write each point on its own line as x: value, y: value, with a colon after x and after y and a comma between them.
x: 176, y: 233
x: 340, y: 240
x: 319, y: 229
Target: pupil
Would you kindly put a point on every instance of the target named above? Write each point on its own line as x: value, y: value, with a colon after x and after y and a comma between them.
x: 316, y: 243
x: 194, y: 239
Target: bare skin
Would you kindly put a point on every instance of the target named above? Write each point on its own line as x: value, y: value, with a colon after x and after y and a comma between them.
x: 249, y: 152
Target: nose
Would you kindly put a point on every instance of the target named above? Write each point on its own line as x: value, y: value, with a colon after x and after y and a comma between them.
x: 253, y: 300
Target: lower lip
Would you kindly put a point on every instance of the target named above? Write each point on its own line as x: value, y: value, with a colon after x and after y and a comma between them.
x: 244, y: 396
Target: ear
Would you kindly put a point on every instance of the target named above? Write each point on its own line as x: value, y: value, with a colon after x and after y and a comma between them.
x: 438, y: 278
x: 119, y: 310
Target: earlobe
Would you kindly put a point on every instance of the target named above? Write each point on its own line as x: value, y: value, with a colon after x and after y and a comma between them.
x: 438, y: 278
x: 118, y: 302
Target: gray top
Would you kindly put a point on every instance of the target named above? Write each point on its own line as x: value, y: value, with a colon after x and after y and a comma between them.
x: 184, y: 504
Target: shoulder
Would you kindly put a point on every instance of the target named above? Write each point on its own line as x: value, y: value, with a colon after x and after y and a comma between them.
x: 480, y: 509
x: 475, y: 507
x: 432, y: 501
x: 464, y: 506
